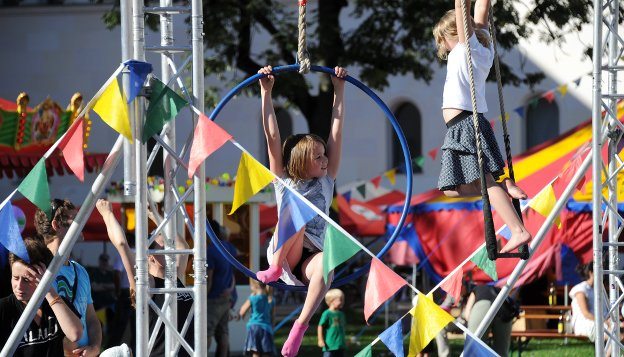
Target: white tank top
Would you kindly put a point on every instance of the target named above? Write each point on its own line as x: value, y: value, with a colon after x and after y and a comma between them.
x: 457, y: 86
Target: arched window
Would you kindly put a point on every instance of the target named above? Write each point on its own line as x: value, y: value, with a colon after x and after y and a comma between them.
x: 542, y: 121
x: 408, y: 116
x: 285, y: 125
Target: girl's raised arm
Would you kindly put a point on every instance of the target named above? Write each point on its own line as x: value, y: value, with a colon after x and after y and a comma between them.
x: 459, y: 20
x: 269, y: 123
x: 334, y: 142
x: 118, y: 238
x: 482, y: 13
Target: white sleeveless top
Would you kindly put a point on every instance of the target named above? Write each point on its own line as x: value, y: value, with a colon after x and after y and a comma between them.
x: 457, y: 86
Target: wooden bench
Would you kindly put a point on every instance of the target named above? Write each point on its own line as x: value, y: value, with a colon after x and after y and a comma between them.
x: 532, y: 323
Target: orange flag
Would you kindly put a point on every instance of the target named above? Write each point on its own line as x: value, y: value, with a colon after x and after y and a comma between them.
x: 382, y: 283
x: 207, y: 138
x: 72, y: 146
x: 453, y: 285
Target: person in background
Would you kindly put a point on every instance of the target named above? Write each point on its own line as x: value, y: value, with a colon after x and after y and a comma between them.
x: 220, y: 284
x: 54, y: 319
x: 331, y: 327
x: 103, y: 289
x: 72, y: 281
x: 259, y: 341
x: 125, y: 318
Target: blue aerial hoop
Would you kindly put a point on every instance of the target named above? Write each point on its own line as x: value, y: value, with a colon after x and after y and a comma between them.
x: 406, y: 155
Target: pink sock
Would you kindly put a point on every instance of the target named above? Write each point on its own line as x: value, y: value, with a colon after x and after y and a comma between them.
x: 270, y: 275
x: 292, y: 344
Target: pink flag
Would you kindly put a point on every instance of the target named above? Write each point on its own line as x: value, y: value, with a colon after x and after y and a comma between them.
x: 433, y: 153
x: 381, y: 285
x: 453, y: 285
x: 376, y: 181
x: 550, y: 96
x: 570, y: 170
x: 72, y: 148
x: 208, y: 138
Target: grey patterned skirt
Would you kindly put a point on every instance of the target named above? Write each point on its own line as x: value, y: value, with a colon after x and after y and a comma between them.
x: 460, y: 164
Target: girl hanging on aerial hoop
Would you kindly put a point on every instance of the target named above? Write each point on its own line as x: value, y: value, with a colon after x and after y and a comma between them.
x: 459, y: 176
x: 309, y: 165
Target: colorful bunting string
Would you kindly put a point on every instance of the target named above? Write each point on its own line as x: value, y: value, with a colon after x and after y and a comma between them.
x: 392, y: 337
x: 484, y: 263
x: 293, y: 215
x: 382, y: 284
x: 453, y: 285
x: 113, y: 109
x: 164, y: 106
x: 428, y: 319
x: 251, y: 177
x: 35, y: 187
x: 71, y: 146
x: 207, y: 138
x: 338, y: 249
x: 10, y: 236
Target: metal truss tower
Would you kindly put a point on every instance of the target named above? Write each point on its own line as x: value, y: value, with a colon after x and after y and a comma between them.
x: 607, y: 133
x: 176, y: 58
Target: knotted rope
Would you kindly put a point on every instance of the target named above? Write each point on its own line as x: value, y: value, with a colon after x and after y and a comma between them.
x: 302, y: 50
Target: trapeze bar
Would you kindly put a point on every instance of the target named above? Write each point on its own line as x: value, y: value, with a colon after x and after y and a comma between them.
x: 168, y: 10
x: 168, y: 49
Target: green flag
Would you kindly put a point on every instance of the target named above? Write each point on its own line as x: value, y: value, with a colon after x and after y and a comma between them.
x: 35, y: 187
x: 366, y: 352
x: 165, y: 104
x: 419, y: 161
x: 482, y: 261
x: 337, y: 250
x: 362, y: 190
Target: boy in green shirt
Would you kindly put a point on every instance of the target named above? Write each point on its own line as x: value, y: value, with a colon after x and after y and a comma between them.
x: 331, y: 328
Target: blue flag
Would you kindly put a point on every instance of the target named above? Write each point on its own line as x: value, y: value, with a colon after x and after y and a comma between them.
x: 393, y: 338
x: 138, y: 73
x: 476, y: 349
x: 10, y: 236
x: 520, y: 112
x: 347, y: 196
x: 293, y: 215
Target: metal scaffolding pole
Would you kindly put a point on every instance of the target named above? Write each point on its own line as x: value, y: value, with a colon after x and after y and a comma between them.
x: 606, y: 49
x: 199, y: 184
x: 125, y: 10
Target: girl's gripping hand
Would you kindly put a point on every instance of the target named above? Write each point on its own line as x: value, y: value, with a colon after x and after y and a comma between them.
x: 338, y: 79
x: 266, y: 83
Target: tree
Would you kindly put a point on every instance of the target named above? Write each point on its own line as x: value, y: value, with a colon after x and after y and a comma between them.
x: 387, y: 37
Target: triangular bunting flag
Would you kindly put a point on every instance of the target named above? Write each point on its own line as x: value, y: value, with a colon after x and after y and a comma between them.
x: 338, y: 249
x: 453, y: 285
x: 138, y: 73
x: 381, y: 285
x: 549, y: 96
x: 476, y: 349
x: 493, y: 123
x: 113, y: 109
x: 433, y: 153
x: 563, y: 89
x: 10, y: 236
x: 366, y: 352
x: 392, y: 337
x: 164, y: 106
x: 520, y: 112
x: 544, y: 203
x: 569, y: 171
x: 35, y: 187
x: 376, y: 181
x: 485, y: 264
x: 391, y: 175
x: 534, y: 102
x: 420, y: 161
x: 293, y: 215
x: 578, y: 81
x: 347, y: 196
x: 71, y: 146
x: 251, y: 177
x: 428, y: 319
x: 208, y: 138
x: 362, y: 190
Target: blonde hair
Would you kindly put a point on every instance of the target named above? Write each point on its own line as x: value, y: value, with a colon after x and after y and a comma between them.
x: 257, y: 285
x: 332, y: 295
x: 446, y: 28
x: 296, y: 152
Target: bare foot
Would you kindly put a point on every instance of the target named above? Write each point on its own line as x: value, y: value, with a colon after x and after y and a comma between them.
x: 514, y: 191
x: 517, y: 239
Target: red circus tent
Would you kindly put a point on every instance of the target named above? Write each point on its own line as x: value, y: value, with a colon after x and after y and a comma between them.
x: 442, y: 232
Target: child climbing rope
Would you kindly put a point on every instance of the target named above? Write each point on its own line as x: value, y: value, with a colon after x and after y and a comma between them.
x: 460, y: 173
x: 309, y: 165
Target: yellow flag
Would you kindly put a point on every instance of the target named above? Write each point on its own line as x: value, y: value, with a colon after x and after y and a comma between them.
x: 544, y: 202
x: 113, y: 109
x: 563, y: 90
x: 427, y: 320
x: 391, y: 175
x: 251, y: 177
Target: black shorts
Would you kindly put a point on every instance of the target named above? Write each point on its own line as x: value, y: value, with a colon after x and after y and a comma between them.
x: 297, y: 270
